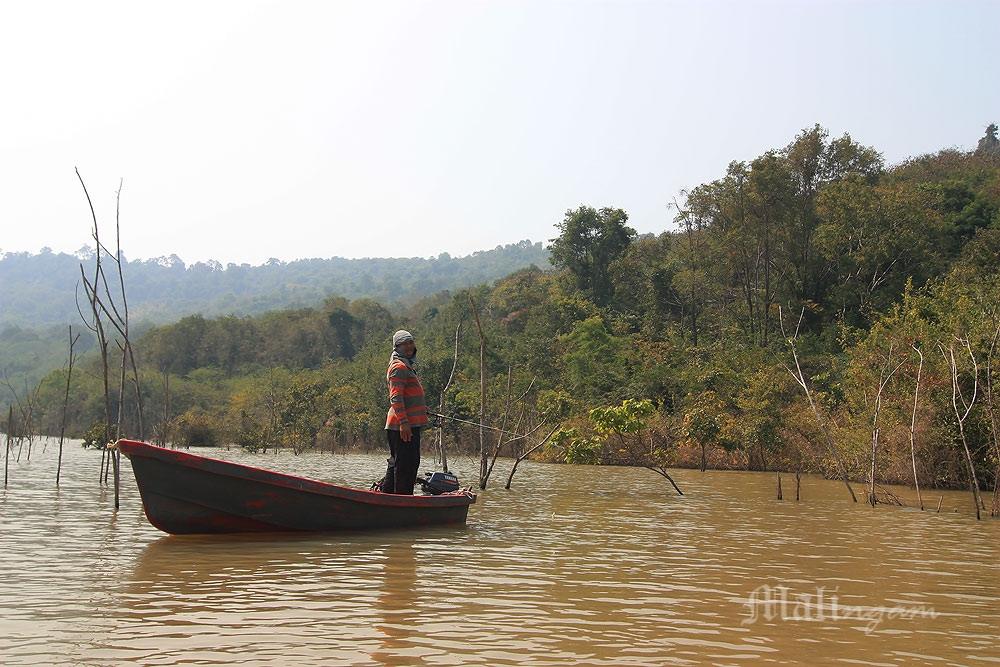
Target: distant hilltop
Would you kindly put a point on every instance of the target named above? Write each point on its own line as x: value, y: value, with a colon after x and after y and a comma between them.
x: 39, y: 287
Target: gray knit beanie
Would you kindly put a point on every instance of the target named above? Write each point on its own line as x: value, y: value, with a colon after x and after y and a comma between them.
x: 401, y: 336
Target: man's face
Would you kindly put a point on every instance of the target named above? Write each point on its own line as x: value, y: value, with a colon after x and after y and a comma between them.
x: 408, y: 348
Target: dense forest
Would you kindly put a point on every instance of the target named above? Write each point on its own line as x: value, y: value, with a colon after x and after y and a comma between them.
x: 38, y: 298
x: 164, y: 289
x: 811, y: 309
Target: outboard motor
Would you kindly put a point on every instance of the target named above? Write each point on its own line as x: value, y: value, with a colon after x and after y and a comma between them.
x: 436, y: 483
x: 432, y: 483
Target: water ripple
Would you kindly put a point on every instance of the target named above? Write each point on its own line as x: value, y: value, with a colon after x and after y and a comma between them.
x: 570, y: 567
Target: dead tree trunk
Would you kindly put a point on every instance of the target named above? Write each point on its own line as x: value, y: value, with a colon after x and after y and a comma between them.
x: 121, y: 322
x: 962, y: 413
x: 6, y: 454
x: 26, y: 413
x: 96, y: 324
x: 119, y: 319
x: 29, y: 422
x: 483, y: 456
x: 512, y: 436
x: 884, y: 376
x: 107, y: 464
x: 484, y: 478
x: 119, y: 430
x: 659, y: 470
x: 22, y: 411
x: 444, y: 396
x: 165, y: 426
x: 647, y: 460
x: 800, y: 379
x: 913, y: 428
x: 994, y: 425
x: 528, y: 452
x: 62, y: 423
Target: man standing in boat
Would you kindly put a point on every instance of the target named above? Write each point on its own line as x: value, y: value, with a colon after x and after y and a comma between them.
x: 407, y: 415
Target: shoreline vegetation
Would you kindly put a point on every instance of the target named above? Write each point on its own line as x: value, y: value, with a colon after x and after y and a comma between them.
x: 812, y: 310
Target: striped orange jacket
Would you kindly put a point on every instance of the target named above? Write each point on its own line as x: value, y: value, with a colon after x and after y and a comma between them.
x: 406, y: 397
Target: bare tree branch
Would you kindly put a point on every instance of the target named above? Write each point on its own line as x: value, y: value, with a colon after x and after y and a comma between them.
x: 801, y: 380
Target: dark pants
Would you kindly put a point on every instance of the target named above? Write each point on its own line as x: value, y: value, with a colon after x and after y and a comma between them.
x: 404, y: 459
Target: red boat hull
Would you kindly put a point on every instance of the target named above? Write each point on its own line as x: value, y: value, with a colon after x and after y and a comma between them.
x: 184, y: 493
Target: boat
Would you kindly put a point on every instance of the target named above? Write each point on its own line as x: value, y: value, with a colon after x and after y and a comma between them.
x: 184, y: 493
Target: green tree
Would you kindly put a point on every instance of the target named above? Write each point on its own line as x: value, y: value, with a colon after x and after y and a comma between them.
x: 813, y: 162
x: 589, y: 241
x: 875, y: 238
x: 756, y: 429
x: 989, y: 145
x: 703, y: 422
x: 595, y: 361
x: 626, y: 424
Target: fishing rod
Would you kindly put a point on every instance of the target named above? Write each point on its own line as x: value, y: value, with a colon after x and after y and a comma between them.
x: 472, y: 423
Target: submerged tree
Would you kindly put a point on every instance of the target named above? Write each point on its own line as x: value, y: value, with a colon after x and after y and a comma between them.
x: 623, y: 427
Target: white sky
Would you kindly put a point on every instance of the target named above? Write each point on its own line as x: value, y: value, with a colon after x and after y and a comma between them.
x: 253, y: 130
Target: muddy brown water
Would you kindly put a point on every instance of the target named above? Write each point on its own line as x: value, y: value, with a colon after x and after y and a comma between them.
x: 575, y: 565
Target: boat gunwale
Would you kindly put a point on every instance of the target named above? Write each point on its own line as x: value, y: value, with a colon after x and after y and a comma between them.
x: 284, y: 480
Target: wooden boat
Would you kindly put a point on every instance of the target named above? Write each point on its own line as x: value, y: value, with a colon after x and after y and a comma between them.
x: 186, y: 493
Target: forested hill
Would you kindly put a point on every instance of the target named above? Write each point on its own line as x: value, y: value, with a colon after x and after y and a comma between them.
x: 38, y: 289
x: 37, y: 299
x: 813, y: 266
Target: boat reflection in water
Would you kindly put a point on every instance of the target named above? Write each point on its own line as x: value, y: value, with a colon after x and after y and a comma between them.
x: 355, y: 599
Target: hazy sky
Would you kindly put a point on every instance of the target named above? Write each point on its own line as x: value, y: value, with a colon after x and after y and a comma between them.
x: 253, y: 130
